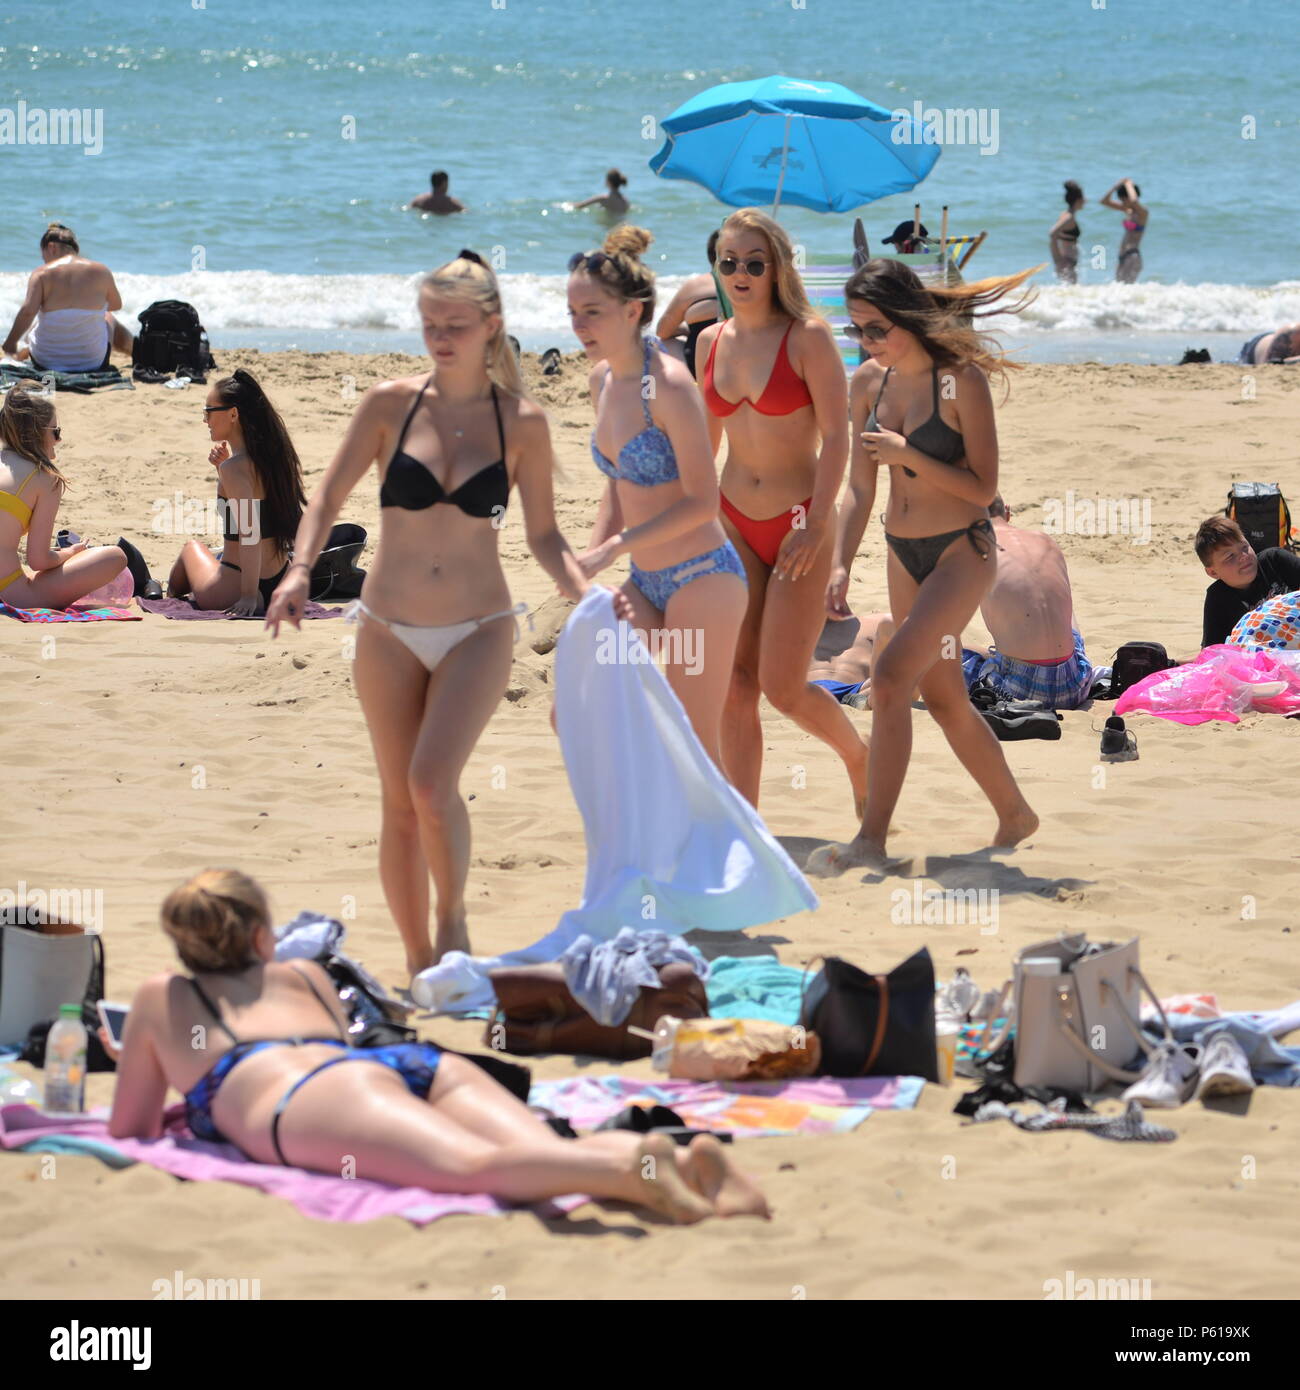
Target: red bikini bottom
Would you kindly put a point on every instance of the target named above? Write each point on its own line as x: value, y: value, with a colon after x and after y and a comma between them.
x: 764, y: 537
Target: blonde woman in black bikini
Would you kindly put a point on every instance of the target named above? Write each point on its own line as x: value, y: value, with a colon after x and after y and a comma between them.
x: 922, y: 407
x: 434, y: 650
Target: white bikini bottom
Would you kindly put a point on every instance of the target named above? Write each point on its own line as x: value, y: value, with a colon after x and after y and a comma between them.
x: 430, y: 644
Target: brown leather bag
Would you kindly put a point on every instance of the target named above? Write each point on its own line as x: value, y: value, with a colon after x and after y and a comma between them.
x: 536, y: 1013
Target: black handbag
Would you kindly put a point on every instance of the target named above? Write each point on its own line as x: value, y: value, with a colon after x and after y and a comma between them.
x: 874, y: 1025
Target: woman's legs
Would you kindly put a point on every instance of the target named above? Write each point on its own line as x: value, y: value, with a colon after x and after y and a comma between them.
x: 463, y: 693
x: 199, y: 573
x: 930, y: 620
x: 793, y: 617
x: 73, y: 580
x: 742, y: 730
x: 703, y: 619
x: 359, y: 1119
x: 391, y: 684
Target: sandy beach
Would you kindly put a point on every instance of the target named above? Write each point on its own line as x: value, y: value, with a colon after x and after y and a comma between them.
x: 1191, y: 848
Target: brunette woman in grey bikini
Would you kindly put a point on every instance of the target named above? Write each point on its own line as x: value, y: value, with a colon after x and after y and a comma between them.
x: 922, y: 406
x: 434, y: 650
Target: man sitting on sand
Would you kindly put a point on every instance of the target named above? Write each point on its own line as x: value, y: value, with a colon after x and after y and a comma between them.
x: 1242, y: 579
x: 845, y: 651
x: 1281, y: 345
x: 438, y: 200
x: 71, y: 301
x: 1037, y: 651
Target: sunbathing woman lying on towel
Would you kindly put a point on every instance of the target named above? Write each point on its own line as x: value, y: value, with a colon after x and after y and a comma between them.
x: 276, y: 1076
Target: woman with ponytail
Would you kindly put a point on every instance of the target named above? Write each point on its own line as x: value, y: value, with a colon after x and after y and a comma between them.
x: 264, y: 1055
x: 259, y: 497
x: 1063, y: 239
x: 661, y: 505
x: 437, y: 625
x: 773, y: 381
x: 921, y: 406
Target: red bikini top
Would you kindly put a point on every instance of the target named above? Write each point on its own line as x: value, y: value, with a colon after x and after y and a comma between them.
x: 784, y: 393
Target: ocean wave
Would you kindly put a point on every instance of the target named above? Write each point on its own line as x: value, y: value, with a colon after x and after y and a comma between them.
x: 251, y: 300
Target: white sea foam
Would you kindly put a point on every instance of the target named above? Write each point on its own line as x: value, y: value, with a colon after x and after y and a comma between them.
x: 231, y: 303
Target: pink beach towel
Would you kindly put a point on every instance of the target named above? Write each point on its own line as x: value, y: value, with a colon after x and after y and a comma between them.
x: 1224, y: 682
x: 183, y: 609
x: 78, y: 613
x: 318, y: 1195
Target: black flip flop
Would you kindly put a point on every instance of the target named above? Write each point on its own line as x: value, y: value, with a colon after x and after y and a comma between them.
x: 1010, y: 728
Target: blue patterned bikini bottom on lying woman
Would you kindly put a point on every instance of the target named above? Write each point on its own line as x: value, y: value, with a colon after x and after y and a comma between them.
x: 660, y: 585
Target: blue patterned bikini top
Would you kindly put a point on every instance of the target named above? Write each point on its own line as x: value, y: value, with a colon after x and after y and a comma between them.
x: 647, y: 459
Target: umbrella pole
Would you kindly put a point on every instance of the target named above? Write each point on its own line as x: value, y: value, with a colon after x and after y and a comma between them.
x: 785, y: 152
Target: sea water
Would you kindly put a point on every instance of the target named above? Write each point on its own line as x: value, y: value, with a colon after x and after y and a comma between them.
x: 257, y: 160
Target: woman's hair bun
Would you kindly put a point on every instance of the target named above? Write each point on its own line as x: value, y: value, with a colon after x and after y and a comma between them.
x: 632, y: 242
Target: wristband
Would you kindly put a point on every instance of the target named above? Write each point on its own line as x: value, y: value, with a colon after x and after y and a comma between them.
x: 300, y: 565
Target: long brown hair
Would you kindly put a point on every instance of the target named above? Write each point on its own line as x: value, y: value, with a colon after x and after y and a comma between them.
x: 273, y: 456
x: 941, y: 318
x: 24, y: 418
x: 788, y: 293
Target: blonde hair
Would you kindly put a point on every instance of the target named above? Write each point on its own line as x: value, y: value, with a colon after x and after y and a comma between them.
x: 24, y: 418
x: 213, y: 918
x: 788, y: 293
x: 940, y: 317
x: 470, y: 279
x: 621, y: 273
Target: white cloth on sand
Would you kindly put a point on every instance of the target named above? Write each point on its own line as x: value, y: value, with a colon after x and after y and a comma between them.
x: 671, y: 845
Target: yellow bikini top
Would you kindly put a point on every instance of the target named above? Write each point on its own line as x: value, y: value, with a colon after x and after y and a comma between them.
x: 12, y: 503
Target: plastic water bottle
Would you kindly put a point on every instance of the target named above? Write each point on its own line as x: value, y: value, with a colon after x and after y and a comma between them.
x: 15, y: 1089
x: 65, y: 1064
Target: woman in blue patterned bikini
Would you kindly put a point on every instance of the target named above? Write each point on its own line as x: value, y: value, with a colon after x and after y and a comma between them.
x: 275, y: 1074
x: 651, y: 441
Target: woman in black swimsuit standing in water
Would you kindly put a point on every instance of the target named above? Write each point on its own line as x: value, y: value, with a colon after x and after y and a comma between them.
x: 1064, y: 236
x: 925, y: 356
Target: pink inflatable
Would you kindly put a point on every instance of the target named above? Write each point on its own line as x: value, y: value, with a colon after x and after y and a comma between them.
x: 1224, y: 682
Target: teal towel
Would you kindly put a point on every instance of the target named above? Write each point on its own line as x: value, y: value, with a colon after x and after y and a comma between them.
x: 755, y: 987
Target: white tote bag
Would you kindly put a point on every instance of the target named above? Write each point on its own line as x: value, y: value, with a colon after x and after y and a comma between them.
x: 38, y: 972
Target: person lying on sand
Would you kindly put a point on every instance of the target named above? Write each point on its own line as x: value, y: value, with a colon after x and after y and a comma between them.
x: 1037, y: 651
x: 276, y: 1075
x: 70, y: 301
x: 843, y: 656
x: 1242, y: 579
x: 437, y: 200
x: 1282, y: 345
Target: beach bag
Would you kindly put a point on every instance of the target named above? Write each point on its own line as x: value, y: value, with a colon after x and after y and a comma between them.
x: 536, y: 1012
x: 40, y: 970
x: 1079, y: 1028
x: 335, y: 573
x: 171, y: 339
x: 874, y: 1025
x: 1262, y: 513
x: 1135, y: 661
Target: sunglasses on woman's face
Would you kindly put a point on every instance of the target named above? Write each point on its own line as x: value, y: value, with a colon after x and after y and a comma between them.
x: 56, y: 432
x: 208, y: 409
x: 728, y: 265
x: 870, y: 334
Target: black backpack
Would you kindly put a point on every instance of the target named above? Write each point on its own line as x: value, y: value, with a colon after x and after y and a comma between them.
x: 1262, y: 513
x: 171, y: 339
x: 1134, y: 662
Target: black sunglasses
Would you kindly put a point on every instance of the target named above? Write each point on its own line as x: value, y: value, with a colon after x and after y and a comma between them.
x: 58, y: 433
x: 208, y: 409
x: 592, y: 262
x: 727, y: 266
x: 870, y: 333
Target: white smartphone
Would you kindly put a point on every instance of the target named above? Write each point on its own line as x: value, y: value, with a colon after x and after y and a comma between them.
x: 113, y: 1017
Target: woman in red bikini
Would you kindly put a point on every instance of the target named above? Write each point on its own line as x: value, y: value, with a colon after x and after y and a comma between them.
x: 922, y: 407
x: 774, y: 382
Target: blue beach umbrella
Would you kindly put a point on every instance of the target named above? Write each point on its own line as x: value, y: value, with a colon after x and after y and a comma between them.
x: 778, y: 139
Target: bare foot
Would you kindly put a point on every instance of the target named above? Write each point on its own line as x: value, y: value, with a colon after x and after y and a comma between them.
x: 1012, y: 830
x: 655, y: 1182
x: 828, y: 860
x: 709, y: 1171
x: 451, y: 936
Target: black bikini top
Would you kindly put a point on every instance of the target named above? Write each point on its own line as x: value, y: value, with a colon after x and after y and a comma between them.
x: 935, y: 437
x: 410, y: 485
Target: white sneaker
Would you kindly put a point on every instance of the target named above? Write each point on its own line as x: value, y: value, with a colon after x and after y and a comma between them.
x: 1224, y: 1069
x: 1168, y: 1078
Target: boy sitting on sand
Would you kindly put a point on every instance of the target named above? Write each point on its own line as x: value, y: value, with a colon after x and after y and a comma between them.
x: 1242, y: 579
